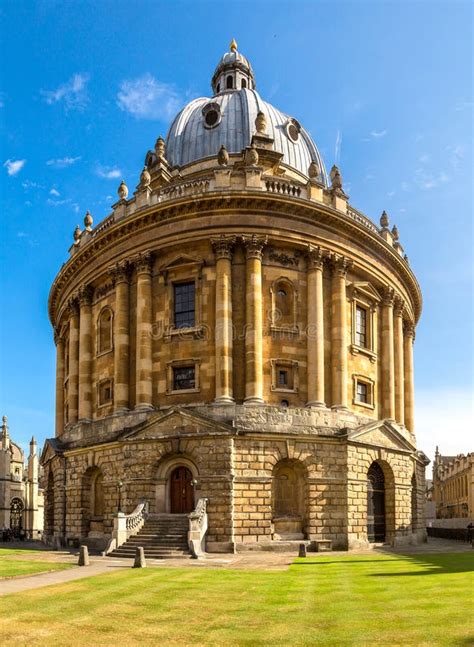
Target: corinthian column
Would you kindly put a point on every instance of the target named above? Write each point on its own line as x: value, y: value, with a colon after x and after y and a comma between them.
x: 73, y: 374
x: 339, y: 332
x: 399, y: 371
x: 408, y: 339
x: 59, y: 383
x: 223, y: 325
x: 253, y: 320
x: 121, y: 274
x: 144, y: 386
x: 85, y: 353
x: 388, y: 359
x: 315, y: 331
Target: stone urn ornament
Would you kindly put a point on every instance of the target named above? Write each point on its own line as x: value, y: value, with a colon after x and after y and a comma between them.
x: 261, y: 123
x: 88, y: 221
x: 251, y: 156
x: 122, y: 191
x: 223, y: 156
x: 145, y: 178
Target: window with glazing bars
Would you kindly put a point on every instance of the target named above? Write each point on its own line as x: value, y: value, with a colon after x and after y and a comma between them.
x: 361, y: 327
x: 184, y: 378
x: 363, y: 392
x: 184, y: 305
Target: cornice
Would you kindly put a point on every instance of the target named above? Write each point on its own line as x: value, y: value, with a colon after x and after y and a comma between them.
x: 296, y: 209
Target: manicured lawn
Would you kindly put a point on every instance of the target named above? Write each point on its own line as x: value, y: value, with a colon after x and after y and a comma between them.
x: 14, y: 561
x: 352, y: 600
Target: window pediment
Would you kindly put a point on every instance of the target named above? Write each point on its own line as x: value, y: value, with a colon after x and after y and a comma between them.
x: 364, y: 291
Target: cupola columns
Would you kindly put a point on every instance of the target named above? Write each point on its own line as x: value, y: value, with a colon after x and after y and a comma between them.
x: 399, y: 361
x: 60, y: 376
x: 85, y: 353
x: 339, y: 333
x: 120, y: 273
x: 388, y: 356
x: 73, y: 373
x: 144, y: 386
x: 223, y: 324
x: 409, y: 400
x: 315, y: 329
x: 254, y: 320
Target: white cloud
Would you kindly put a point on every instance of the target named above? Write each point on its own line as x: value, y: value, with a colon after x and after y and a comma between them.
x: 456, y: 155
x: 337, y: 148
x: 73, y: 93
x: 108, y: 172
x: 63, y: 162
x: 426, y: 180
x: 449, y: 427
x: 28, y: 184
x: 22, y: 234
x: 57, y: 203
x: 463, y: 105
x: 54, y: 192
x: 378, y: 134
x: 390, y: 194
x: 14, y: 166
x: 148, y: 98
x: 75, y: 206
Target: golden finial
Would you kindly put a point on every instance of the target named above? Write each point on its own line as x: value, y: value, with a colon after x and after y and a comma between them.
x: 233, y: 45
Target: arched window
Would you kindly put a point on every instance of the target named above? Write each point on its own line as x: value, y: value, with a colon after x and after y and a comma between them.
x: 104, y: 326
x: 283, y: 304
x: 289, y: 499
x: 243, y: 83
x: 49, y: 506
x: 375, y: 503
x: 218, y: 88
x: 16, y: 516
x: 414, y: 504
x: 97, y: 495
x: 229, y: 83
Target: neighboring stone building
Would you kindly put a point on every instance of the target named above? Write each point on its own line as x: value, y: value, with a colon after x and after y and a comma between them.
x: 236, y: 331
x: 21, y: 498
x: 453, y: 486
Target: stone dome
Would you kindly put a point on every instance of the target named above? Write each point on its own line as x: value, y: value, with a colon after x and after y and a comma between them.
x: 228, y: 118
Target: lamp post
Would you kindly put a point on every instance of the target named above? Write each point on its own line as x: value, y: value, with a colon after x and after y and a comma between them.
x: 119, y: 487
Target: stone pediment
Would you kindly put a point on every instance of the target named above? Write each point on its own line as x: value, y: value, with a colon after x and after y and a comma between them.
x: 365, y: 290
x: 174, y: 422
x: 50, y: 450
x: 382, y: 433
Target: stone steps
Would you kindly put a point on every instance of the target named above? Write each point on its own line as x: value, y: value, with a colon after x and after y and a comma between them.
x: 161, y: 537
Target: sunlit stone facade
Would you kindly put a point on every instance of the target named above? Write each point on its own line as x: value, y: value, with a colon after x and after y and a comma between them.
x: 236, y: 324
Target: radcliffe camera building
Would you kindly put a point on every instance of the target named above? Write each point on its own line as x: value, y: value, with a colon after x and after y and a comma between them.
x: 235, y: 341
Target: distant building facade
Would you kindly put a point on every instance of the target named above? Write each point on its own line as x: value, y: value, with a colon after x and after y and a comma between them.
x: 21, y: 498
x: 453, y: 486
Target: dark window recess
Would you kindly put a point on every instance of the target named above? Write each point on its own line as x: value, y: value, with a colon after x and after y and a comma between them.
x: 282, y: 378
x: 284, y: 403
x: 184, y: 305
x: 105, y: 392
x: 211, y: 118
x: 229, y: 83
x: 243, y: 83
x: 361, y: 327
x: 362, y: 392
x: 218, y: 88
x: 184, y: 378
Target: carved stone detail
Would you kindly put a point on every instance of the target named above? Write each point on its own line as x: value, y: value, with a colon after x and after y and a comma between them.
x: 143, y: 262
x: 408, y: 328
x: 261, y: 123
x: 283, y: 258
x: 316, y: 257
x: 254, y: 245
x: 251, y: 156
x: 341, y: 265
x: 120, y: 272
x: 398, y: 306
x: 223, y: 156
x: 103, y: 290
x: 85, y: 294
x: 223, y: 246
x: 388, y: 296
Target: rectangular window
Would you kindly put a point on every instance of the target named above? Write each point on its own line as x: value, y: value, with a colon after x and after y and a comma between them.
x: 184, y: 377
x: 282, y: 378
x: 184, y: 305
x: 363, y: 392
x: 361, y: 327
x: 105, y: 392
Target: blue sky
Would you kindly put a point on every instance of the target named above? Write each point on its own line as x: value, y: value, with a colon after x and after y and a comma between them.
x: 384, y: 88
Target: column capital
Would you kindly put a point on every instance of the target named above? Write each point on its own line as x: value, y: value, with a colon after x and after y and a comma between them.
x: 223, y: 246
x: 143, y: 262
x: 340, y: 265
x: 254, y: 245
x: 57, y: 336
x: 120, y: 272
x: 316, y: 257
x: 388, y: 296
x: 398, y: 305
x: 409, y: 329
x: 73, y: 305
x: 85, y: 295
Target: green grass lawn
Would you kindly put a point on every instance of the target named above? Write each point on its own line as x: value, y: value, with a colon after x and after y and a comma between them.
x: 352, y: 600
x: 12, y: 564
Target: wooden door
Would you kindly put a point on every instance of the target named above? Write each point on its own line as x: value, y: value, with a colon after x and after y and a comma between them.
x: 181, y: 491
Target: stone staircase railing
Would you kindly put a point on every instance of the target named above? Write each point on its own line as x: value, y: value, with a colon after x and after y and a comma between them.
x: 126, y: 525
x: 197, y: 529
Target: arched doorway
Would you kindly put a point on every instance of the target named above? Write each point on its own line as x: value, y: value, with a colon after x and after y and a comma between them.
x: 16, y: 516
x: 375, y: 504
x: 92, y: 501
x: 289, y: 500
x: 181, y: 490
x: 49, y: 506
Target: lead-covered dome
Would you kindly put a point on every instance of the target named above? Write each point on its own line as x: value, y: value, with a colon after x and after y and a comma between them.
x: 228, y: 118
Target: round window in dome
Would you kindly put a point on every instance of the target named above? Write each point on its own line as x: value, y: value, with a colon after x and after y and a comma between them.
x: 293, y: 130
x: 211, y: 114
